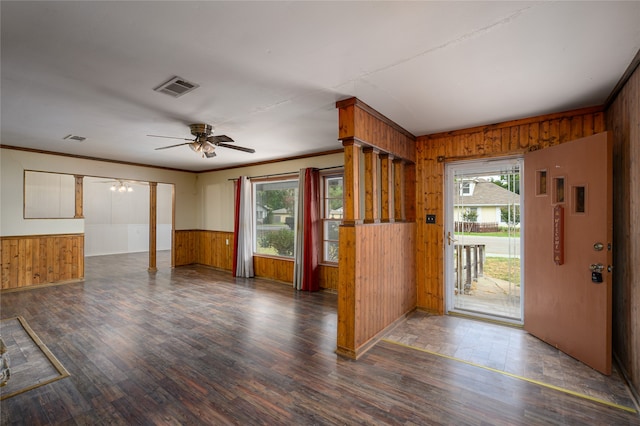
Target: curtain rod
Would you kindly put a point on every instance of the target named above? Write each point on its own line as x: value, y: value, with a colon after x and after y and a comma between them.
x: 285, y: 174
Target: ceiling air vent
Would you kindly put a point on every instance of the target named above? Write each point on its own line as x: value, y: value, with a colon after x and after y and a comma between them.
x: 176, y: 87
x: 75, y: 138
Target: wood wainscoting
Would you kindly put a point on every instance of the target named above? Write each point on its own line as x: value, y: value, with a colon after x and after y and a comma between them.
x: 210, y: 248
x: 31, y: 260
x: 273, y: 268
x: 215, y: 248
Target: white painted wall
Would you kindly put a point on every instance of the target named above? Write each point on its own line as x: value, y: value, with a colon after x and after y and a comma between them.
x: 14, y: 162
x: 215, y: 207
x: 203, y: 201
x: 118, y: 222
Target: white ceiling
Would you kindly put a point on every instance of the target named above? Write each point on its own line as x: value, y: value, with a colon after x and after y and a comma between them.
x: 271, y: 72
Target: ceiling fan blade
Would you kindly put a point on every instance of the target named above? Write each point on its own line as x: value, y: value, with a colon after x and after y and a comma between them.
x: 219, y: 139
x: 173, y: 146
x: 170, y: 137
x: 239, y: 148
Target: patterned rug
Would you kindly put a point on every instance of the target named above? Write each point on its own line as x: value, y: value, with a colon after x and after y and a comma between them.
x: 31, y: 363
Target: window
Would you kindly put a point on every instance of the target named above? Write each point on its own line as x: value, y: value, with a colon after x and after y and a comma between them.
x: 275, y: 208
x: 331, y: 214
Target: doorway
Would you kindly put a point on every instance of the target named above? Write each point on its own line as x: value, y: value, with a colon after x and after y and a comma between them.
x: 483, y: 253
x: 117, y: 217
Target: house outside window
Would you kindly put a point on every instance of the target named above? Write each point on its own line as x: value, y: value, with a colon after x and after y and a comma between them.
x: 331, y: 214
x: 275, y: 208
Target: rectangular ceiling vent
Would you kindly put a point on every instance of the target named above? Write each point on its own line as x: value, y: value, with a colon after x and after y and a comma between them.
x: 176, y: 87
x: 75, y: 138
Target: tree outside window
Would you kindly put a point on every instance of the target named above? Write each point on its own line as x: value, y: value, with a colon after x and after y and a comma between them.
x: 275, y: 217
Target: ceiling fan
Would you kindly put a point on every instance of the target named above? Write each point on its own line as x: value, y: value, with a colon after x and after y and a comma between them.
x: 205, y: 143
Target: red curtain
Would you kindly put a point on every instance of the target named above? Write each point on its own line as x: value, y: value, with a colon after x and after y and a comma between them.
x: 311, y: 229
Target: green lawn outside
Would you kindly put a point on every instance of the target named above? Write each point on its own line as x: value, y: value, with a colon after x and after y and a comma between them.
x: 503, y: 268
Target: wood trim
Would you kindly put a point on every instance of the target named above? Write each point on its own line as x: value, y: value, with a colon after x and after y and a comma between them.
x: 387, y: 188
x: 31, y: 260
x: 277, y: 160
x: 518, y: 122
x: 79, y: 214
x: 371, y: 173
x: 86, y: 157
x: 351, y: 181
x: 153, y: 220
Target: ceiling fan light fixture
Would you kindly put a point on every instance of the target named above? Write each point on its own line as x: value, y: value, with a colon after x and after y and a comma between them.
x: 196, y: 146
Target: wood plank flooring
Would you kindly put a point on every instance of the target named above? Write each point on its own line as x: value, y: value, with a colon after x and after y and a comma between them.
x: 195, y: 346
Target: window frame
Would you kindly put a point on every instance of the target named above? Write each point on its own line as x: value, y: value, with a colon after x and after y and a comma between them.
x: 281, y: 178
x: 325, y: 212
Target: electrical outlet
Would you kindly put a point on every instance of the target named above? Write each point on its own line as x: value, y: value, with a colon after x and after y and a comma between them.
x: 227, y: 241
x: 431, y: 218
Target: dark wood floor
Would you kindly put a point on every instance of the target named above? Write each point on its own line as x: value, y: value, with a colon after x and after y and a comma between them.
x: 195, y: 346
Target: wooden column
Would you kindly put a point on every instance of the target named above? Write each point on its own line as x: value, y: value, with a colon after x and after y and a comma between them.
x: 153, y: 219
x: 398, y: 192
x: 79, y: 214
x: 386, y: 190
x: 371, y: 211
x: 351, y: 182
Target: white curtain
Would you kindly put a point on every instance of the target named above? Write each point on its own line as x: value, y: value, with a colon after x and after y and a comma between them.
x: 243, y: 261
x: 298, y: 266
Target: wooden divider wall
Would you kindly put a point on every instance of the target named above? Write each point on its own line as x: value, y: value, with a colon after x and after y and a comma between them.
x: 376, y: 278
x: 41, y: 259
x: 508, y: 138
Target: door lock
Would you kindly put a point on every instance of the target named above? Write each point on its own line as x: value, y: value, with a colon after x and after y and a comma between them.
x: 596, y: 272
x: 596, y: 267
x: 450, y: 239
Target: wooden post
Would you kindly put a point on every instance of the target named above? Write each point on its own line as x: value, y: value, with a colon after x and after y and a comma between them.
x: 79, y: 213
x: 153, y: 219
x: 371, y: 212
x: 351, y: 182
x: 386, y: 189
x: 398, y: 193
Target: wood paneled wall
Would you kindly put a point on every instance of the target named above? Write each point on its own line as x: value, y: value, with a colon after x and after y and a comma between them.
x: 376, y: 278
x: 273, y: 268
x: 359, y: 121
x: 210, y: 248
x: 433, y: 151
x: 41, y: 259
x: 377, y: 282
x: 623, y: 119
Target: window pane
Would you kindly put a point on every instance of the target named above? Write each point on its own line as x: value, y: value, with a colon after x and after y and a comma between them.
x: 332, y: 212
x: 331, y: 229
x: 275, y: 213
x: 331, y: 251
